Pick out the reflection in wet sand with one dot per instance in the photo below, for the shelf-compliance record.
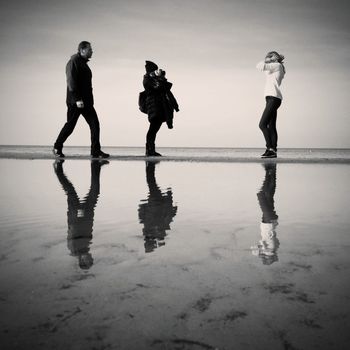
(156, 212)
(80, 213)
(268, 245)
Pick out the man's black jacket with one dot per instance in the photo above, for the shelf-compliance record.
(79, 86)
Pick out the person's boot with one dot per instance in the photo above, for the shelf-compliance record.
(148, 150)
(57, 152)
(151, 150)
(155, 154)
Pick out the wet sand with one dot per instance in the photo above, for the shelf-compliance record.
(216, 155)
(135, 255)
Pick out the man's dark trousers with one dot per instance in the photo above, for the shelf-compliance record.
(90, 115)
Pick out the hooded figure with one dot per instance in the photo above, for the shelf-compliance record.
(160, 104)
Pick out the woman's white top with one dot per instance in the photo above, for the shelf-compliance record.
(274, 74)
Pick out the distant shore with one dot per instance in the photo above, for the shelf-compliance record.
(218, 155)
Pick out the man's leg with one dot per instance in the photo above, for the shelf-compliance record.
(91, 118)
(73, 113)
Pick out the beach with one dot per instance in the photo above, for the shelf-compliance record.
(202, 249)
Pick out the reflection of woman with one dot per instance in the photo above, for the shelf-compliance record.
(267, 247)
(80, 213)
(160, 104)
(275, 71)
(156, 213)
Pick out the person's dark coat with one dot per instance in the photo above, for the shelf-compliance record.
(156, 213)
(160, 102)
(79, 81)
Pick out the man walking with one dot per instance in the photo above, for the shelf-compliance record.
(80, 101)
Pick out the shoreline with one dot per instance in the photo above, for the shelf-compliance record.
(182, 154)
(194, 159)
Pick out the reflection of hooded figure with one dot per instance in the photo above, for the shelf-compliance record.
(80, 214)
(268, 245)
(156, 213)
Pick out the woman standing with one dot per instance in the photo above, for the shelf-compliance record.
(160, 104)
(275, 71)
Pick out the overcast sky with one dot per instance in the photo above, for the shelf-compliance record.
(209, 49)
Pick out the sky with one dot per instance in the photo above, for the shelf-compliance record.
(209, 49)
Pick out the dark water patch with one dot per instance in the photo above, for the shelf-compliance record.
(39, 258)
(233, 315)
(287, 345)
(182, 344)
(280, 288)
(3, 257)
(301, 297)
(203, 304)
(82, 277)
(298, 266)
(245, 290)
(310, 323)
(66, 286)
(62, 320)
(183, 316)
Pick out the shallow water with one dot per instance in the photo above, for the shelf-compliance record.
(134, 255)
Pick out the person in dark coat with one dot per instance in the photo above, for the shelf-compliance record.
(160, 104)
(80, 101)
(80, 213)
(156, 212)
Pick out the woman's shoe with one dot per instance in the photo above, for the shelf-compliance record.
(269, 154)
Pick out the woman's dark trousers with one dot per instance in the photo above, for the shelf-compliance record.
(154, 127)
(90, 115)
(268, 121)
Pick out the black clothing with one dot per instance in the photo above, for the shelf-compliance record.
(154, 127)
(80, 214)
(156, 212)
(79, 85)
(73, 113)
(79, 88)
(160, 102)
(150, 66)
(268, 121)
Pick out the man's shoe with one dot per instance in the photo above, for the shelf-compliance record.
(269, 154)
(265, 153)
(57, 152)
(100, 154)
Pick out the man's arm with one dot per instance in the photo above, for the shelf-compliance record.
(72, 83)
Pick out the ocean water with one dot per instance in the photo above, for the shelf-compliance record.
(174, 255)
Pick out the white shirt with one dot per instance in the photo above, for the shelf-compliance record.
(274, 74)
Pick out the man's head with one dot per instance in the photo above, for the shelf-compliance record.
(85, 49)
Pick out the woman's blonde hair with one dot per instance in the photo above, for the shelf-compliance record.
(279, 57)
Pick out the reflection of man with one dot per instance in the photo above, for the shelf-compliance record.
(156, 213)
(80, 213)
(268, 245)
(80, 101)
